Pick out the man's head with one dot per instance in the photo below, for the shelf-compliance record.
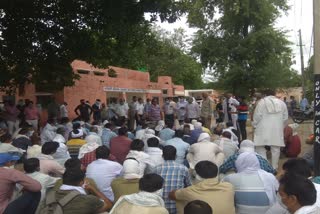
(73, 163)
(197, 206)
(108, 126)
(153, 142)
(137, 145)
(190, 100)
(178, 134)
(73, 177)
(121, 101)
(296, 191)
(82, 101)
(154, 102)
(186, 129)
(269, 92)
(246, 146)
(123, 131)
(206, 169)
(140, 100)
(102, 152)
(297, 166)
(134, 98)
(49, 148)
(169, 153)
(8, 159)
(31, 165)
(151, 183)
(226, 135)
(204, 95)
(94, 129)
(61, 131)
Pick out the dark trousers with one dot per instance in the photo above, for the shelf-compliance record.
(169, 119)
(243, 131)
(27, 203)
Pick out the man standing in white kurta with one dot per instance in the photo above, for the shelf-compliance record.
(269, 119)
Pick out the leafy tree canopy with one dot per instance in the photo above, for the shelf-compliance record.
(240, 45)
(39, 38)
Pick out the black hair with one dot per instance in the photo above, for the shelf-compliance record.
(298, 166)
(229, 124)
(49, 148)
(153, 142)
(179, 133)
(122, 131)
(31, 165)
(197, 206)
(94, 129)
(108, 126)
(169, 153)
(75, 128)
(301, 187)
(170, 125)
(102, 152)
(64, 120)
(226, 134)
(73, 177)
(206, 169)
(218, 131)
(5, 137)
(269, 92)
(73, 163)
(151, 182)
(24, 130)
(51, 120)
(137, 145)
(61, 130)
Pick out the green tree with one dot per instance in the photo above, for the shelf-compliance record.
(40, 38)
(237, 40)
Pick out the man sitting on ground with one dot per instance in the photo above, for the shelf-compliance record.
(219, 195)
(148, 200)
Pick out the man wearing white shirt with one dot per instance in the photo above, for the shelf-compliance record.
(139, 110)
(193, 110)
(122, 109)
(64, 110)
(103, 171)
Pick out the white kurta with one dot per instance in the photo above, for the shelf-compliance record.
(269, 119)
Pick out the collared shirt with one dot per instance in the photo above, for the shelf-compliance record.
(8, 180)
(181, 147)
(230, 164)
(31, 113)
(219, 195)
(140, 108)
(63, 111)
(206, 108)
(154, 113)
(119, 147)
(166, 134)
(107, 135)
(122, 110)
(168, 108)
(103, 172)
(193, 110)
(176, 176)
(49, 166)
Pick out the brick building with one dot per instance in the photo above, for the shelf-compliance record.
(98, 83)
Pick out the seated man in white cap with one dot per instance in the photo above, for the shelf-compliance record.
(245, 146)
(129, 182)
(228, 147)
(205, 150)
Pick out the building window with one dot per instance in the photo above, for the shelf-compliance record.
(99, 73)
(80, 71)
(165, 91)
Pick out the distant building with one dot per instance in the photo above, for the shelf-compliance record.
(102, 84)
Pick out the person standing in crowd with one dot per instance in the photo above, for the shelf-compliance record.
(63, 110)
(122, 109)
(219, 109)
(49, 131)
(168, 111)
(242, 117)
(83, 110)
(154, 113)
(219, 195)
(132, 113)
(181, 109)
(206, 111)
(147, 107)
(140, 111)
(28, 202)
(292, 105)
(193, 110)
(269, 120)
(11, 114)
(103, 171)
(53, 108)
(233, 104)
(104, 112)
(32, 115)
(96, 109)
(304, 104)
(175, 175)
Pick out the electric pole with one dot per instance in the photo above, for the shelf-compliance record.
(302, 65)
(316, 46)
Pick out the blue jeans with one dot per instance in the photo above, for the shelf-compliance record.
(27, 203)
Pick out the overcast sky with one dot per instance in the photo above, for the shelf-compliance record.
(300, 16)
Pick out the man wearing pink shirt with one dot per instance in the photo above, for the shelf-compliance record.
(28, 202)
(32, 115)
